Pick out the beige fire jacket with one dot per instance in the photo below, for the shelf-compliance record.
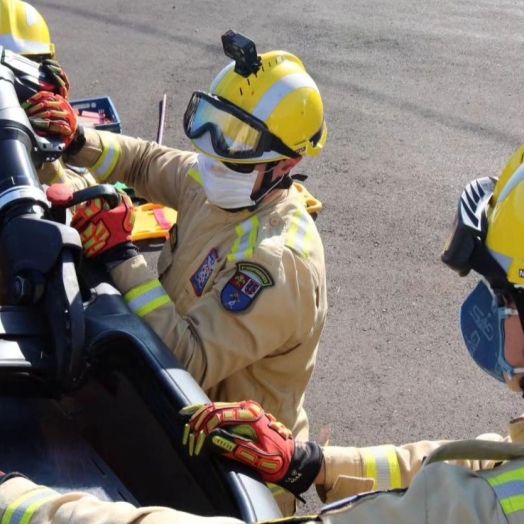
(440, 493)
(351, 470)
(241, 297)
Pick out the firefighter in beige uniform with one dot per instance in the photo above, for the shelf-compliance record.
(241, 293)
(23, 30)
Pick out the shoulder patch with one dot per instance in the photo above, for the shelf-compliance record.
(246, 284)
(202, 274)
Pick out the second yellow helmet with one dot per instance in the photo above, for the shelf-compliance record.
(23, 30)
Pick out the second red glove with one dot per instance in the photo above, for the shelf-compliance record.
(52, 114)
(242, 431)
(102, 228)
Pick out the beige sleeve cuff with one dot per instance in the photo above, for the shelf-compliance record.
(344, 474)
(13, 489)
(51, 173)
(131, 273)
(82, 508)
(90, 153)
(516, 429)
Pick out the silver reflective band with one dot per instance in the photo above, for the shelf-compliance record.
(23, 193)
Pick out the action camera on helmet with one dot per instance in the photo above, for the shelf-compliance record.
(243, 51)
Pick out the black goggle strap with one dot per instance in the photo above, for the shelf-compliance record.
(267, 183)
(318, 135)
(518, 297)
(482, 262)
(279, 146)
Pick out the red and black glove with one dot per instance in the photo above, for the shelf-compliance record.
(52, 114)
(242, 431)
(105, 232)
(59, 83)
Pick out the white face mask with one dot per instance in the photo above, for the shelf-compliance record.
(224, 187)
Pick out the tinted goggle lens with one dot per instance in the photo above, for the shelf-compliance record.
(231, 136)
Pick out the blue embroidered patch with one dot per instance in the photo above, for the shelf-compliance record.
(245, 285)
(202, 274)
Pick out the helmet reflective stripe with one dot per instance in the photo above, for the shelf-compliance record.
(31, 14)
(24, 30)
(276, 94)
(512, 182)
(23, 46)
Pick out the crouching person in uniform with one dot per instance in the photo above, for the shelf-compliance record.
(482, 479)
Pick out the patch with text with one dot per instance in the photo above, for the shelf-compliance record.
(245, 285)
(202, 274)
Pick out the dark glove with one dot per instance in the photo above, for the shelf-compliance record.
(52, 115)
(105, 232)
(242, 431)
(57, 76)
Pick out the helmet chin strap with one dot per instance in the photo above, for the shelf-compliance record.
(268, 184)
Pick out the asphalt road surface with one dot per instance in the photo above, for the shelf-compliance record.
(420, 98)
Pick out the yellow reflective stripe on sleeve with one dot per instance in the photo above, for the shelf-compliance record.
(195, 175)
(275, 490)
(60, 176)
(23, 508)
(105, 165)
(146, 298)
(246, 241)
(509, 488)
(381, 464)
(300, 232)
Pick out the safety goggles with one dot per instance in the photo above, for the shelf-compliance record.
(234, 134)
